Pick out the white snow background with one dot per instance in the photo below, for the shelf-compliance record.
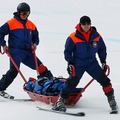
(55, 20)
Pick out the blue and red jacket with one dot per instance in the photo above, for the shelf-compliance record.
(81, 47)
(21, 33)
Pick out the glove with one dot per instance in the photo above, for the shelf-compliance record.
(71, 69)
(4, 50)
(104, 67)
(34, 47)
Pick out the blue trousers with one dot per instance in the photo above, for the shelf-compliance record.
(93, 69)
(19, 56)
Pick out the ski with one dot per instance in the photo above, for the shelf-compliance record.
(6, 95)
(22, 100)
(15, 100)
(79, 114)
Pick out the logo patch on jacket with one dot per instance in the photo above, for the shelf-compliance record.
(94, 44)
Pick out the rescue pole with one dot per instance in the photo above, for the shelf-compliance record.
(36, 63)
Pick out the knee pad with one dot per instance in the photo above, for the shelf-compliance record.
(107, 88)
(41, 68)
(44, 72)
(109, 93)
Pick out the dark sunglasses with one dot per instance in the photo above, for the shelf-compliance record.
(24, 13)
(86, 23)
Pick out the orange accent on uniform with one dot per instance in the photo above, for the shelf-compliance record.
(107, 89)
(41, 68)
(97, 38)
(15, 24)
(30, 25)
(75, 39)
(86, 35)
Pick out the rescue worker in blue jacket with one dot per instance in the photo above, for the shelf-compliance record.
(23, 38)
(80, 53)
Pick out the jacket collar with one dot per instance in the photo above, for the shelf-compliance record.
(81, 34)
(78, 28)
(16, 16)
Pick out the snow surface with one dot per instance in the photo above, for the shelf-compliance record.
(55, 20)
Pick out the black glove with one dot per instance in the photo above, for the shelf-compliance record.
(71, 69)
(104, 67)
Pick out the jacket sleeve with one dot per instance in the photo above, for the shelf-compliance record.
(68, 52)
(35, 36)
(102, 53)
(4, 30)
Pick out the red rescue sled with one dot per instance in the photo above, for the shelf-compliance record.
(72, 100)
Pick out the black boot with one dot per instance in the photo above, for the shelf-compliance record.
(6, 95)
(59, 105)
(112, 102)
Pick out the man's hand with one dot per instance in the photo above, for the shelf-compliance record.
(104, 67)
(5, 49)
(34, 47)
(71, 69)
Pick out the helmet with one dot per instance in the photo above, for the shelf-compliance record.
(23, 7)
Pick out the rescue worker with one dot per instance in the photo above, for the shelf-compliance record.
(80, 53)
(23, 38)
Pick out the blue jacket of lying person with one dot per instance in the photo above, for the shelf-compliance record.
(45, 86)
